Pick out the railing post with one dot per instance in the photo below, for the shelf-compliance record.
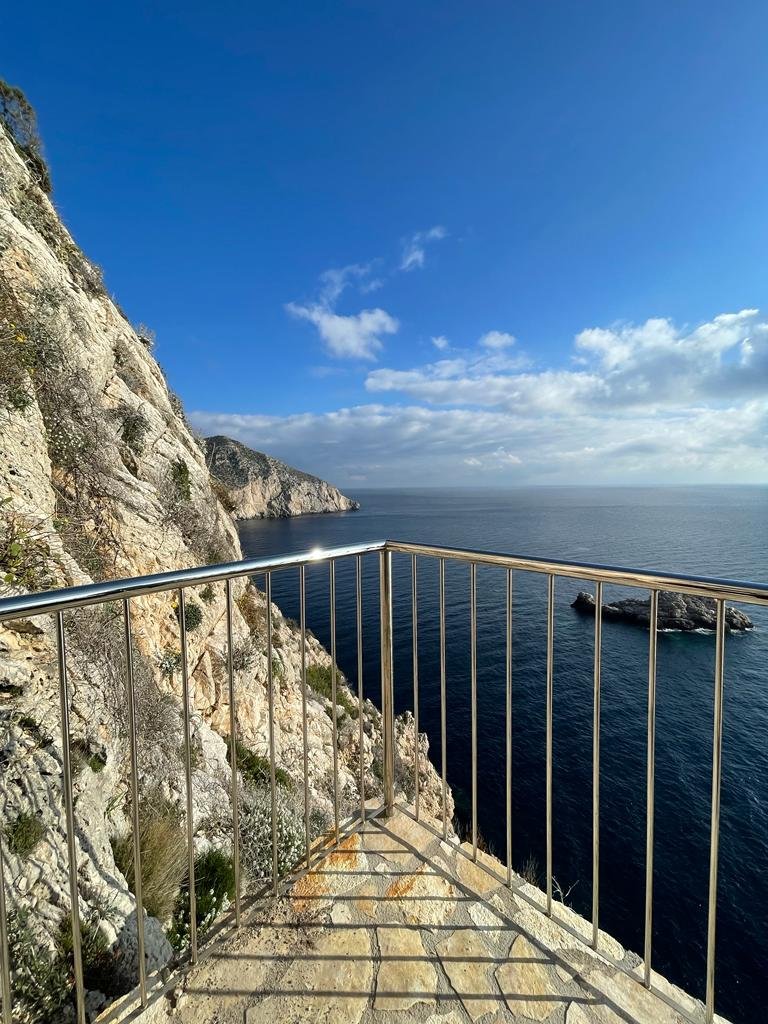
(387, 696)
(5, 965)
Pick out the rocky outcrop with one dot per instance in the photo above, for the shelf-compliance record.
(677, 612)
(100, 476)
(256, 486)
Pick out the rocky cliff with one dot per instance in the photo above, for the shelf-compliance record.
(100, 476)
(256, 486)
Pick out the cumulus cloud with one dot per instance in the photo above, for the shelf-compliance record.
(355, 336)
(651, 365)
(644, 403)
(346, 336)
(441, 342)
(415, 248)
(497, 340)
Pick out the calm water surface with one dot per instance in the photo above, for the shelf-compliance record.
(711, 531)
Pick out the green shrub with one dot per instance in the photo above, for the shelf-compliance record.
(134, 429)
(319, 678)
(193, 615)
(41, 986)
(169, 661)
(81, 755)
(181, 480)
(163, 845)
(214, 888)
(146, 336)
(208, 594)
(243, 655)
(23, 834)
(35, 730)
(254, 614)
(256, 833)
(24, 551)
(99, 960)
(19, 118)
(255, 769)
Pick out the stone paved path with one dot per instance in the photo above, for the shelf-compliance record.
(396, 925)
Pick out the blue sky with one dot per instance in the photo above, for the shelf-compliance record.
(298, 198)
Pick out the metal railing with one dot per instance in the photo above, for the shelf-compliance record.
(56, 603)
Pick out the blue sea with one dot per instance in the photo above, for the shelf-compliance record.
(718, 531)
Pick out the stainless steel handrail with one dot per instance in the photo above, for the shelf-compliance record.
(48, 601)
(679, 583)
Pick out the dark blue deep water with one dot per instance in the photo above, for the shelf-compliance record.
(711, 531)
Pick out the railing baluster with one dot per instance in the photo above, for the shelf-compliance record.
(271, 706)
(550, 701)
(596, 764)
(650, 782)
(133, 744)
(714, 837)
(473, 696)
(509, 725)
(415, 637)
(443, 724)
(233, 755)
(188, 776)
(305, 738)
(5, 965)
(334, 717)
(361, 730)
(69, 811)
(387, 696)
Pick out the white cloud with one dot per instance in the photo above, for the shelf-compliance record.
(357, 336)
(497, 340)
(404, 445)
(646, 366)
(334, 281)
(414, 248)
(650, 403)
(441, 342)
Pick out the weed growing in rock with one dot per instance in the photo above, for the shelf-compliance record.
(214, 890)
(41, 985)
(33, 728)
(319, 679)
(243, 655)
(135, 426)
(255, 769)
(254, 614)
(169, 662)
(19, 119)
(193, 615)
(99, 960)
(24, 551)
(23, 834)
(163, 845)
(81, 755)
(181, 480)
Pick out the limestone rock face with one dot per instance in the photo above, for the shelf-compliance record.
(260, 487)
(101, 477)
(683, 612)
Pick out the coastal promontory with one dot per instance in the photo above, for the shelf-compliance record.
(257, 486)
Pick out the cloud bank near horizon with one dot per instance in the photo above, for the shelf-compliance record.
(636, 403)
